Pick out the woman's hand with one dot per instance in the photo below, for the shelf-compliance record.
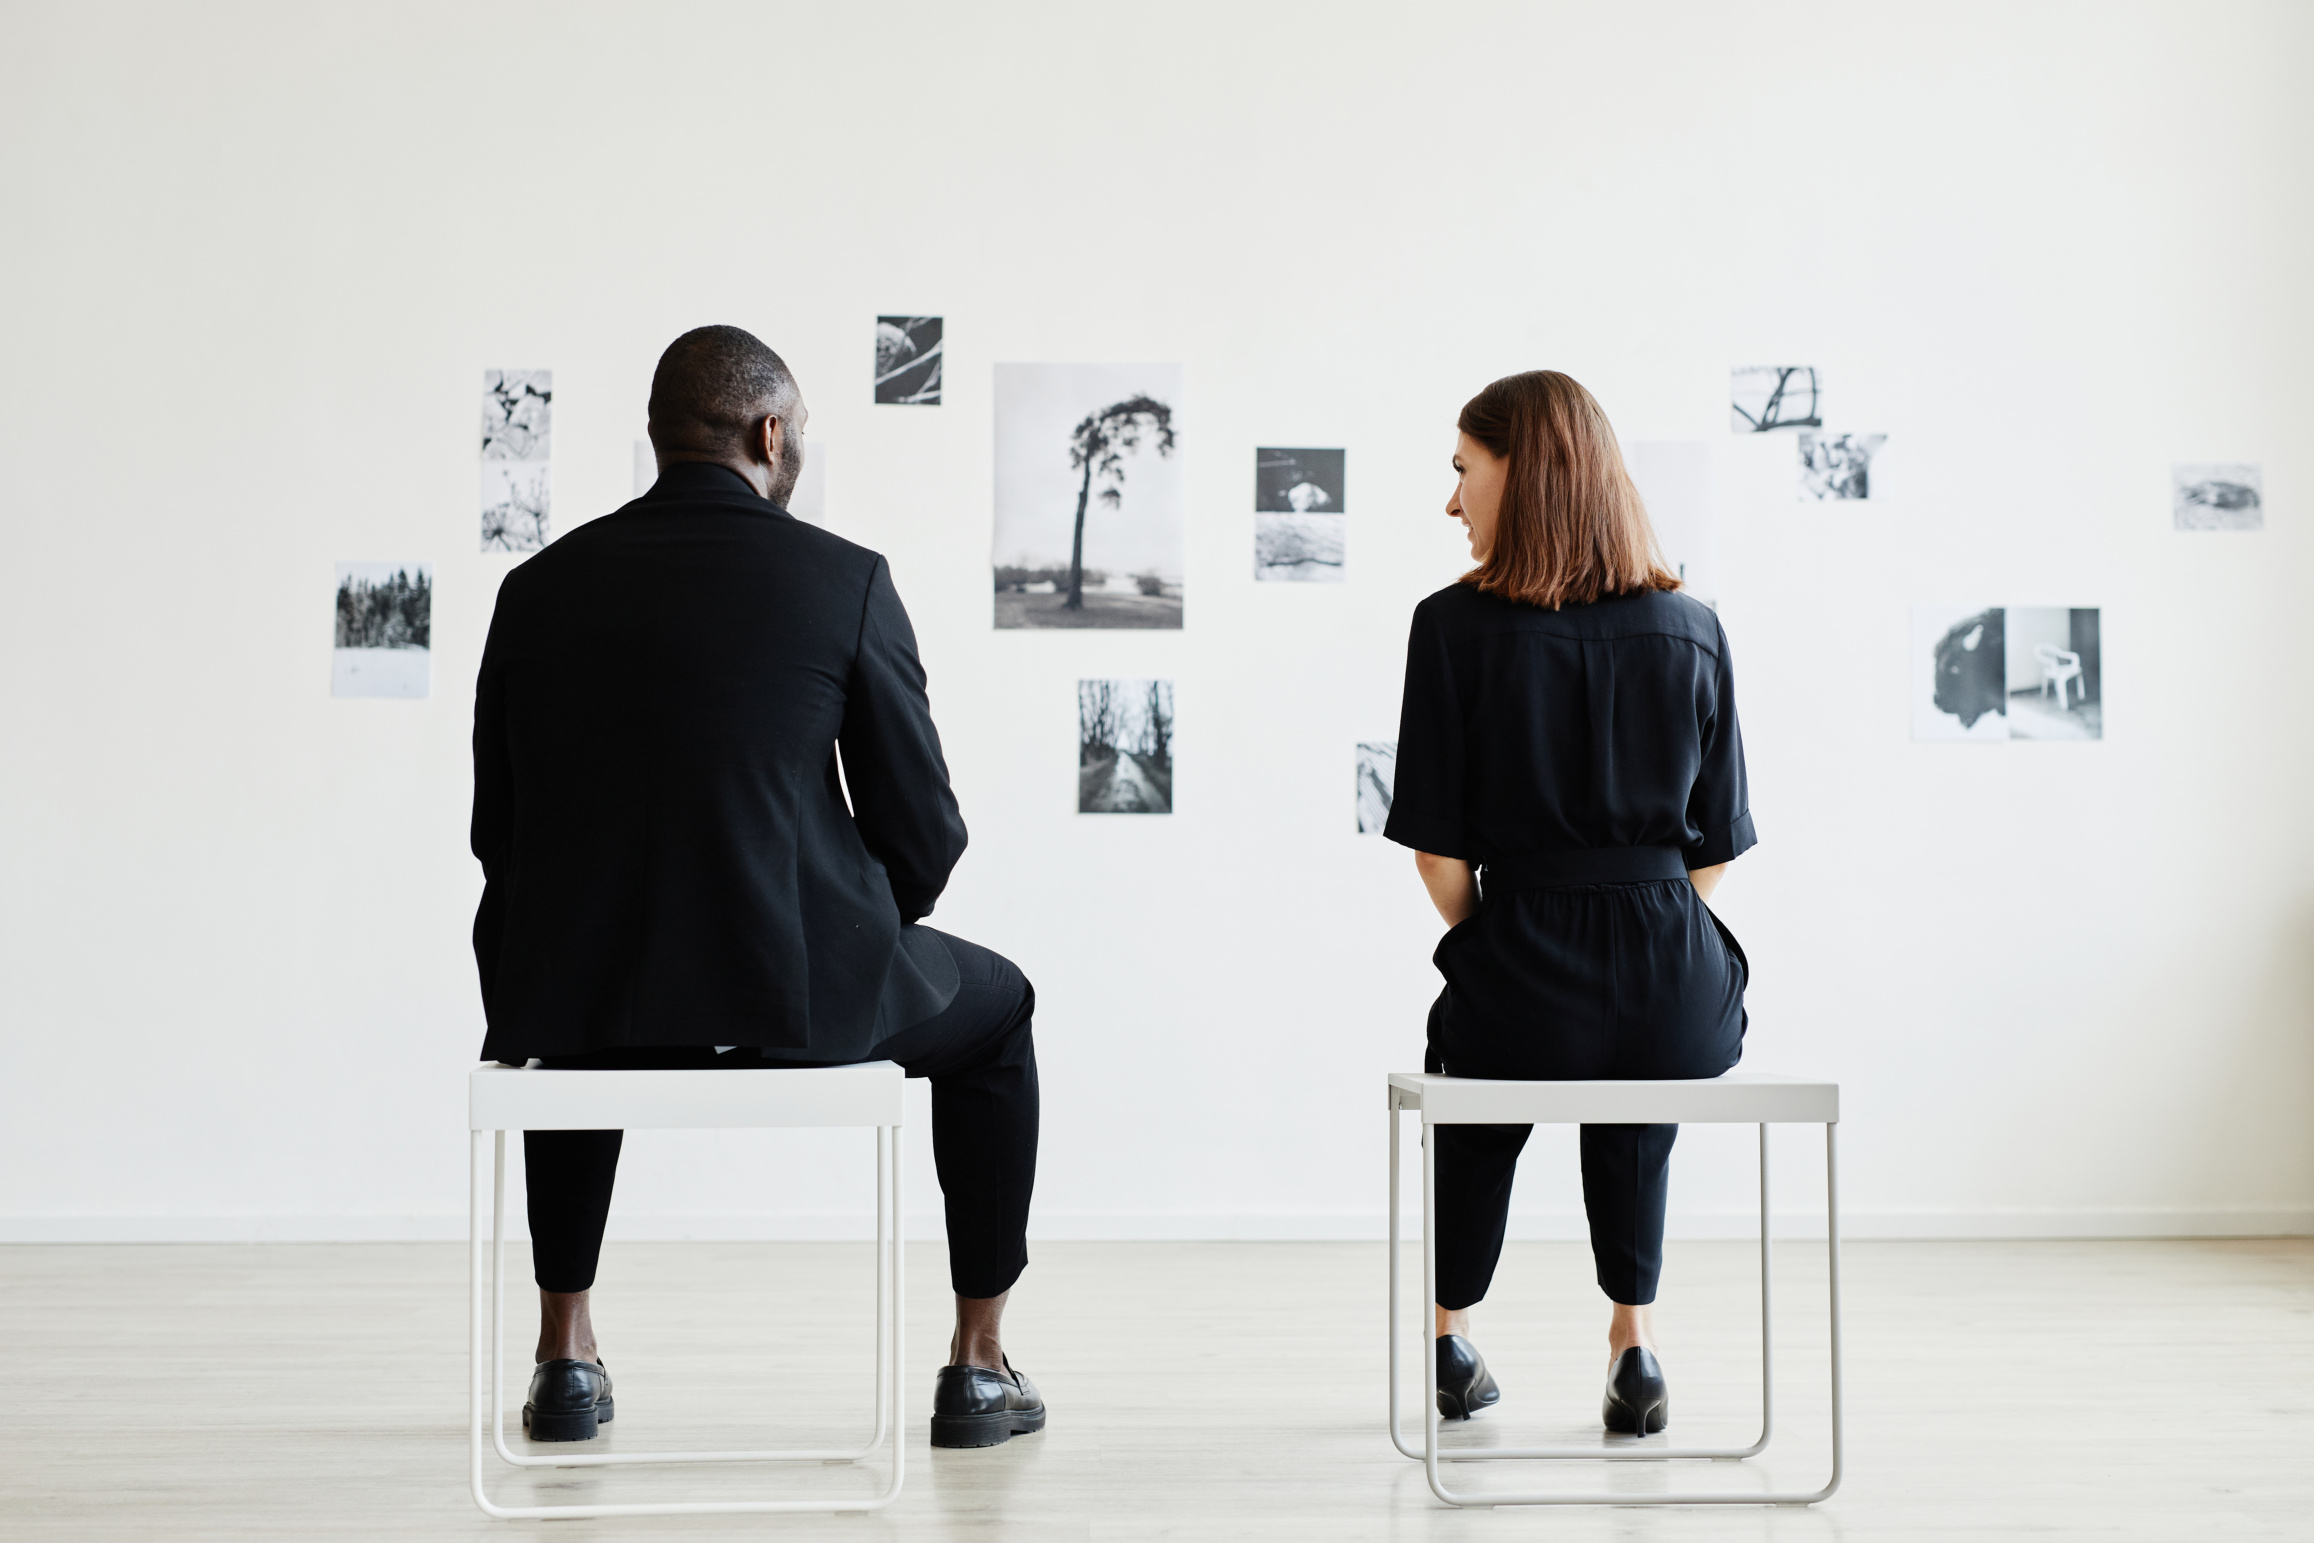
(1453, 886)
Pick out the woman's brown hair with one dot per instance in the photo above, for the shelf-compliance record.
(1572, 528)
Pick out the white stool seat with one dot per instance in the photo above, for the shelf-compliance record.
(1737, 1098)
(510, 1098)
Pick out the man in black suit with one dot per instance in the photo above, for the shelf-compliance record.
(675, 877)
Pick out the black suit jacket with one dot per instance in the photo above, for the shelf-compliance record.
(667, 852)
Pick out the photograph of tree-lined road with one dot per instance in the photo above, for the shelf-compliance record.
(1089, 525)
(1124, 747)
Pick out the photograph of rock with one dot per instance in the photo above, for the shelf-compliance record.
(1298, 482)
(383, 640)
(1960, 682)
(1089, 528)
(908, 361)
(1124, 747)
(2217, 497)
(1377, 774)
(1299, 548)
(1762, 397)
(1837, 466)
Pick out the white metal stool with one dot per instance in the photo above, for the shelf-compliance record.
(1738, 1098)
(503, 1098)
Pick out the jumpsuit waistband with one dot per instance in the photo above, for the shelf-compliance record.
(1584, 865)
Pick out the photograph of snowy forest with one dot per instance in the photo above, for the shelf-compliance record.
(1089, 524)
(908, 361)
(384, 630)
(1124, 747)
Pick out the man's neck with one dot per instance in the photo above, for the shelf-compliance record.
(755, 475)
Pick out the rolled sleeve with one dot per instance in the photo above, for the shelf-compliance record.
(1719, 812)
(1426, 805)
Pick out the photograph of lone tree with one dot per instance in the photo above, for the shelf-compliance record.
(1089, 526)
(1124, 747)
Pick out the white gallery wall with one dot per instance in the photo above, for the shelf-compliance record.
(255, 258)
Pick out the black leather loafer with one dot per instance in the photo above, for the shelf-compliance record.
(1465, 1386)
(1638, 1399)
(568, 1399)
(975, 1407)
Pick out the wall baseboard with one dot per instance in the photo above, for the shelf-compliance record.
(1184, 1227)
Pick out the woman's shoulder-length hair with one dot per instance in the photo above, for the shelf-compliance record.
(1572, 528)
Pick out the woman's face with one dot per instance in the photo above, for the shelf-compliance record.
(1477, 499)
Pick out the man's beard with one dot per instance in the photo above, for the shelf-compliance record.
(790, 467)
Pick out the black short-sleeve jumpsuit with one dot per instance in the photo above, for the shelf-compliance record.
(1585, 759)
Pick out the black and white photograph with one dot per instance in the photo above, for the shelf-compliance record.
(1675, 479)
(515, 500)
(908, 361)
(1377, 774)
(517, 415)
(1298, 482)
(1299, 548)
(2055, 673)
(1089, 524)
(1124, 747)
(384, 631)
(2217, 497)
(1960, 672)
(1764, 397)
(517, 458)
(1837, 466)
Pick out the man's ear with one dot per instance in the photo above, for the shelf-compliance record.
(774, 436)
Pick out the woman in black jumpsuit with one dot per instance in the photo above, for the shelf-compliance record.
(1569, 732)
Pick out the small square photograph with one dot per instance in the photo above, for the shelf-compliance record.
(1299, 548)
(1764, 397)
(1960, 673)
(1090, 529)
(1298, 482)
(2221, 497)
(1377, 773)
(515, 500)
(517, 415)
(2055, 680)
(908, 361)
(1837, 466)
(1124, 747)
(385, 630)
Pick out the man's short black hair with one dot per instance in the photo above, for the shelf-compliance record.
(712, 386)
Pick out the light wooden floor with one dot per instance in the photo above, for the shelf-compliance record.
(1209, 1391)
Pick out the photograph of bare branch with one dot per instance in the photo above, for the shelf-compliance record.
(1377, 775)
(2220, 497)
(1089, 524)
(1837, 466)
(1124, 747)
(908, 361)
(515, 499)
(517, 415)
(384, 630)
(1762, 397)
